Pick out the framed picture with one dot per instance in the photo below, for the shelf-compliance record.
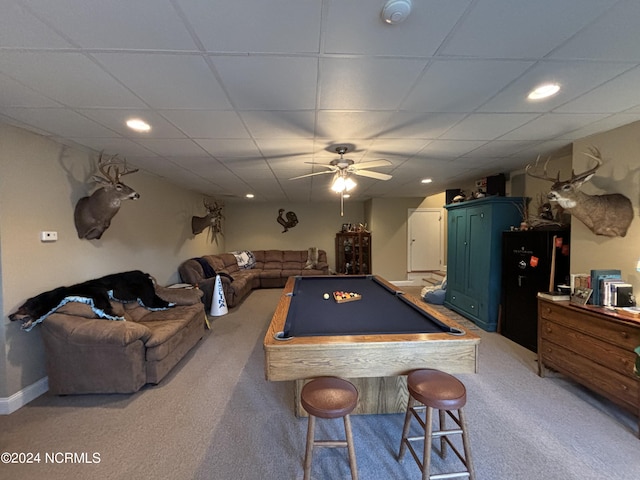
(581, 295)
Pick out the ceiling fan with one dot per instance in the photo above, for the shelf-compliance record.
(342, 168)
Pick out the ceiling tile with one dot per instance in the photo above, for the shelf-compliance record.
(551, 124)
(283, 26)
(142, 24)
(388, 81)
(59, 121)
(207, 123)
(19, 28)
(69, 78)
(269, 83)
(521, 29)
(229, 148)
(461, 86)
(167, 81)
(619, 26)
(617, 95)
(487, 126)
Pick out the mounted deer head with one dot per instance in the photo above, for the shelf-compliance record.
(609, 214)
(213, 220)
(93, 214)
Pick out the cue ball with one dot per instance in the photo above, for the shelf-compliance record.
(326, 296)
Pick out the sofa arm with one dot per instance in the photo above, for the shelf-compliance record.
(86, 355)
(92, 331)
(180, 296)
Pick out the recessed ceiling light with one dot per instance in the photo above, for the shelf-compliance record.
(544, 91)
(249, 195)
(426, 180)
(138, 125)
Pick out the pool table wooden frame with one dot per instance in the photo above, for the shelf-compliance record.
(376, 364)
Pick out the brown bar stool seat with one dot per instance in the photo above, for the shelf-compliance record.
(436, 390)
(329, 397)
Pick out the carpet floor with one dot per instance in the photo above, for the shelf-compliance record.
(216, 417)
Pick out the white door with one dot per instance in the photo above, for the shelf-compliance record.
(425, 239)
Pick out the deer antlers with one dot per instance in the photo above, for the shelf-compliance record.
(594, 153)
(113, 168)
(544, 175)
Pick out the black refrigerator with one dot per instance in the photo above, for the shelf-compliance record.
(526, 270)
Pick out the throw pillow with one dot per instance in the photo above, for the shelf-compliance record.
(312, 258)
(246, 260)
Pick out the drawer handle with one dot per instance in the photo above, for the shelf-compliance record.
(625, 388)
(624, 334)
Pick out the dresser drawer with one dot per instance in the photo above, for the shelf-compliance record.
(615, 332)
(599, 351)
(621, 389)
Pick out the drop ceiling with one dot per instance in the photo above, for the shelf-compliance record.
(242, 94)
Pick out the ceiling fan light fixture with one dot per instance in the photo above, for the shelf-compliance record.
(341, 184)
(396, 11)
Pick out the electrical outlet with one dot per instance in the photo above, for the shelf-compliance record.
(48, 236)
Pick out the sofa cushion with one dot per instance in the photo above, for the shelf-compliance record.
(273, 256)
(294, 256)
(166, 329)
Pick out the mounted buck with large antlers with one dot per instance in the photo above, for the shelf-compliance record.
(93, 214)
(212, 220)
(609, 214)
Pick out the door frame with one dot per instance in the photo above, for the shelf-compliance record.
(441, 211)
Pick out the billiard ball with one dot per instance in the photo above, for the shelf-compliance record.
(326, 296)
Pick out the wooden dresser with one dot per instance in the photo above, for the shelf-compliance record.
(592, 346)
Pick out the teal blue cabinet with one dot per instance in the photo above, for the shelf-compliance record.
(474, 255)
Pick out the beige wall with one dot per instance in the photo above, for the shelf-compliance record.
(254, 225)
(40, 182)
(620, 173)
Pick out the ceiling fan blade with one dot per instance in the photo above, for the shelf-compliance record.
(321, 165)
(370, 174)
(373, 164)
(311, 174)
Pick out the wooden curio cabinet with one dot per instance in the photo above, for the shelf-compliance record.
(353, 253)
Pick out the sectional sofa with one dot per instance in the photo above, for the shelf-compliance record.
(265, 269)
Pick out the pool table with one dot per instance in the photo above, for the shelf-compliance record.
(373, 341)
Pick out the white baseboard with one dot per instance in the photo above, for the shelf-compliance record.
(19, 399)
(403, 283)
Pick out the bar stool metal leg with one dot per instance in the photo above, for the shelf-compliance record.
(431, 390)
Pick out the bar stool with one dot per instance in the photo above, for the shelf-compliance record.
(443, 392)
(329, 397)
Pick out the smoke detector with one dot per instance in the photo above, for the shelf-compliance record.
(396, 11)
